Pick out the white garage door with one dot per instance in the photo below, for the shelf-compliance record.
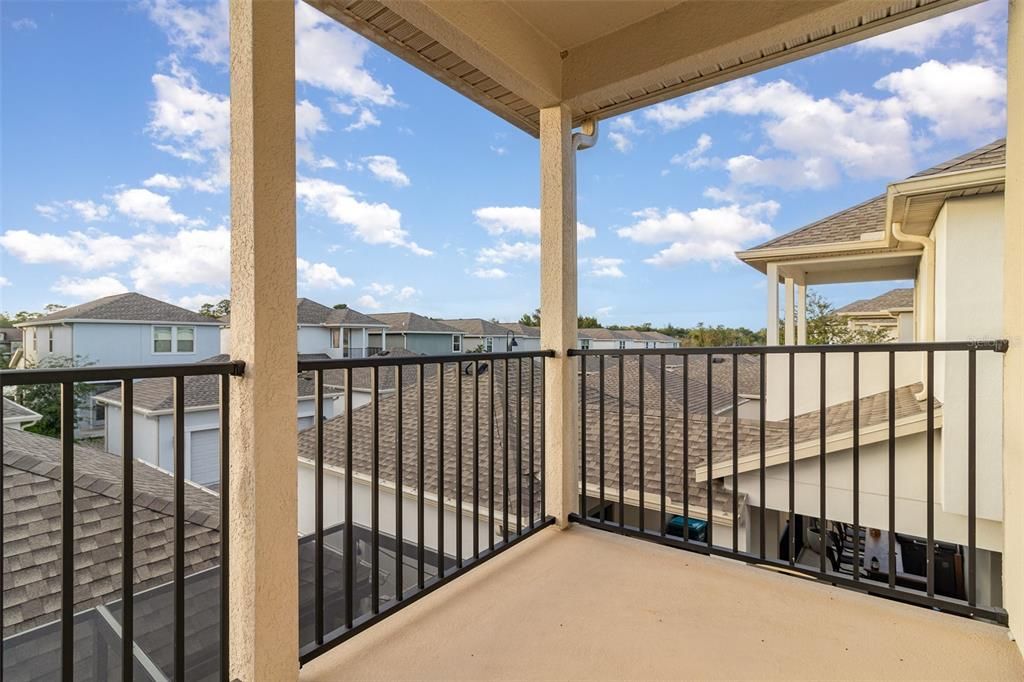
(305, 423)
(204, 456)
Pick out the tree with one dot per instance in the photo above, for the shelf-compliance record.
(824, 326)
(222, 308)
(340, 306)
(529, 320)
(587, 322)
(44, 399)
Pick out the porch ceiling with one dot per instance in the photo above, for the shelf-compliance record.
(606, 57)
(587, 604)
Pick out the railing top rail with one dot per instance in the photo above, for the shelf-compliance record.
(56, 375)
(996, 346)
(399, 360)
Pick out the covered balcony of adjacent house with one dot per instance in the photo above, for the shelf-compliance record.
(558, 513)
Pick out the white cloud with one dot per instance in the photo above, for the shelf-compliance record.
(386, 168)
(48, 211)
(620, 141)
(147, 206)
(380, 289)
(499, 150)
(88, 289)
(814, 173)
(604, 311)
(185, 258)
(369, 302)
(694, 157)
(366, 119)
(490, 273)
(705, 234)
(372, 223)
(24, 24)
(309, 120)
(603, 266)
(524, 219)
(196, 301)
(4, 282)
(331, 57)
(407, 293)
(85, 251)
(985, 22)
(621, 131)
(162, 181)
(504, 252)
(320, 276)
(87, 210)
(201, 29)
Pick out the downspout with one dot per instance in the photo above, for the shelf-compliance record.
(587, 137)
(928, 286)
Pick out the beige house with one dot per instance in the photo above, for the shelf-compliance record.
(891, 314)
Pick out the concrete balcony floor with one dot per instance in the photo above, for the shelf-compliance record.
(587, 604)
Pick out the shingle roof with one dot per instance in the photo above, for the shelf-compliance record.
(32, 528)
(522, 330)
(350, 316)
(869, 216)
(13, 412)
(310, 312)
(411, 322)
(476, 326)
(131, 307)
(897, 298)
(11, 333)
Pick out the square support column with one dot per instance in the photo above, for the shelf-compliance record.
(264, 472)
(558, 308)
(801, 314)
(1013, 320)
(772, 323)
(790, 338)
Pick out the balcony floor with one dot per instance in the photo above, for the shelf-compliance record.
(587, 604)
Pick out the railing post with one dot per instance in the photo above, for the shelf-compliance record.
(263, 482)
(558, 307)
(1013, 321)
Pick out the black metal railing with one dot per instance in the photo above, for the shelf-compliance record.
(702, 452)
(440, 468)
(97, 635)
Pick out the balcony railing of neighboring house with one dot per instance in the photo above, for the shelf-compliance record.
(358, 353)
(442, 470)
(656, 485)
(162, 621)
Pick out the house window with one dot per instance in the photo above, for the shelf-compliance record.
(584, 344)
(489, 344)
(32, 333)
(456, 343)
(49, 339)
(622, 345)
(335, 338)
(168, 339)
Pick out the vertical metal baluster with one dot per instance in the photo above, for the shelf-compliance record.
(709, 437)
(476, 459)
(664, 492)
(533, 387)
(930, 474)
(583, 437)
(128, 530)
(543, 461)
(972, 476)
(792, 460)
(179, 527)
(856, 465)
(375, 496)
(318, 578)
(686, 448)
(458, 467)
(822, 482)
(519, 446)
(67, 530)
(601, 434)
(892, 470)
(761, 380)
(735, 455)
(490, 455)
(421, 479)
(640, 435)
(440, 469)
(225, 517)
(504, 459)
(399, 485)
(350, 526)
(622, 443)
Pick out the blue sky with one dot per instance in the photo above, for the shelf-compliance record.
(115, 138)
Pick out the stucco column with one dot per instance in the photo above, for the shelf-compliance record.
(1013, 319)
(801, 314)
(772, 322)
(263, 482)
(558, 307)
(790, 338)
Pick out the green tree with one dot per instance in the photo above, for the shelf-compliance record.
(529, 320)
(340, 306)
(587, 322)
(824, 326)
(220, 309)
(44, 399)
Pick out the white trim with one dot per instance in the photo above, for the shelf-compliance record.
(174, 339)
(85, 320)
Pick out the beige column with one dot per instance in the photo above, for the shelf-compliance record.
(772, 323)
(263, 483)
(1013, 319)
(558, 308)
(790, 338)
(801, 314)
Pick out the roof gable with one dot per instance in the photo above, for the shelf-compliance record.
(414, 323)
(127, 307)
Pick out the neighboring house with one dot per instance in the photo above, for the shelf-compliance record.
(124, 329)
(941, 228)
(418, 334)
(335, 332)
(891, 313)
(19, 416)
(484, 336)
(10, 342)
(527, 337)
(622, 339)
(153, 423)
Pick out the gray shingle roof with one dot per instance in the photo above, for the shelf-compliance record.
(522, 330)
(131, 307)
(13, 412)
(11, 333)
(476, 326)
(411, 322)
(992, 154)
(311, 312)
(349, 316)
(897, 298)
